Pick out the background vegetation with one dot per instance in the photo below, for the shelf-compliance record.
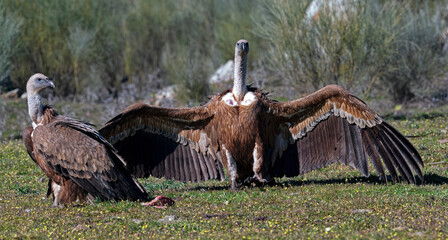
(391, 45)
(92, 47)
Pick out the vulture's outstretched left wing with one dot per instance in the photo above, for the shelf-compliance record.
(77, 151)
(332, 126)
(175, 143)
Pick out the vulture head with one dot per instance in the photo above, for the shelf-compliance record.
(34, 86)
(37, 83)
(242, 47)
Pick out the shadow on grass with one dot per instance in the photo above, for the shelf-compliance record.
(429, 179)
(208, 188)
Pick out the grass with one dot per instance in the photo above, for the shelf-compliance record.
(335, 202)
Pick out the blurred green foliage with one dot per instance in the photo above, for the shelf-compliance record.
(391, 45)
(91, 47)
(9, 28)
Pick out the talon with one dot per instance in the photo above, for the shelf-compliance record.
(235, 185)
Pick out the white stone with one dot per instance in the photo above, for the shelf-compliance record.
(223, 74)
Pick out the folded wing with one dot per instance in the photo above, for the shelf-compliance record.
(76, 151)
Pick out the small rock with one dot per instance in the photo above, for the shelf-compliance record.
(400, 228)
(362, 211)
(165, 96)
(27, 210)
(327, 229)
(223, 74)
(24, 96)
(443, 131)
(419, 234)
(80, 227)
(443, 141)
(168, 219)
(138, 221)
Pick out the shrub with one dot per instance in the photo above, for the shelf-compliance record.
(355, 44)
(9, 28)
(92, 46)
(65, 38)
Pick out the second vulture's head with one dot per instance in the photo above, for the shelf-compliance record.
(37, 83)
(242, 47)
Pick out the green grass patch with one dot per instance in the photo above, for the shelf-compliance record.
(335, 202)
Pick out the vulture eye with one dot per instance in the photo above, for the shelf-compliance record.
(39, 79)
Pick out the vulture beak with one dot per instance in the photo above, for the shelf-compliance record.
(49, 83)
(245, 46)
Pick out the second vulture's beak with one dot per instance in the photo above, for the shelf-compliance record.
(49, 83)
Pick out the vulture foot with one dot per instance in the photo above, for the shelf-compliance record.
(235, 186)
(256, 182)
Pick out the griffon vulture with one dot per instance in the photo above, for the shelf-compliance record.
(257, 139)
(80, 163)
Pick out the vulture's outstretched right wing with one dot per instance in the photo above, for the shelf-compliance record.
(175, 143)
(332, 126)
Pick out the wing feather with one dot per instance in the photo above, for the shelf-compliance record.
(28, 143)
(196, 168)
(204, 167)
(333, 126)
(220, 167)
(175, 143)
(397, 157)
(384, 154)
(410, 153)
(374, 156)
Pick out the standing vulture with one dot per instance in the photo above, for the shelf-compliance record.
(80, 163)
(257, 139)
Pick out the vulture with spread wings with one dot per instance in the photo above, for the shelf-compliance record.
(79, 162)
(257, 139)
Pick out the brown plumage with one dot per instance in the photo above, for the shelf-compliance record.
(257, 139)
(80, 163)
(28, 143)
